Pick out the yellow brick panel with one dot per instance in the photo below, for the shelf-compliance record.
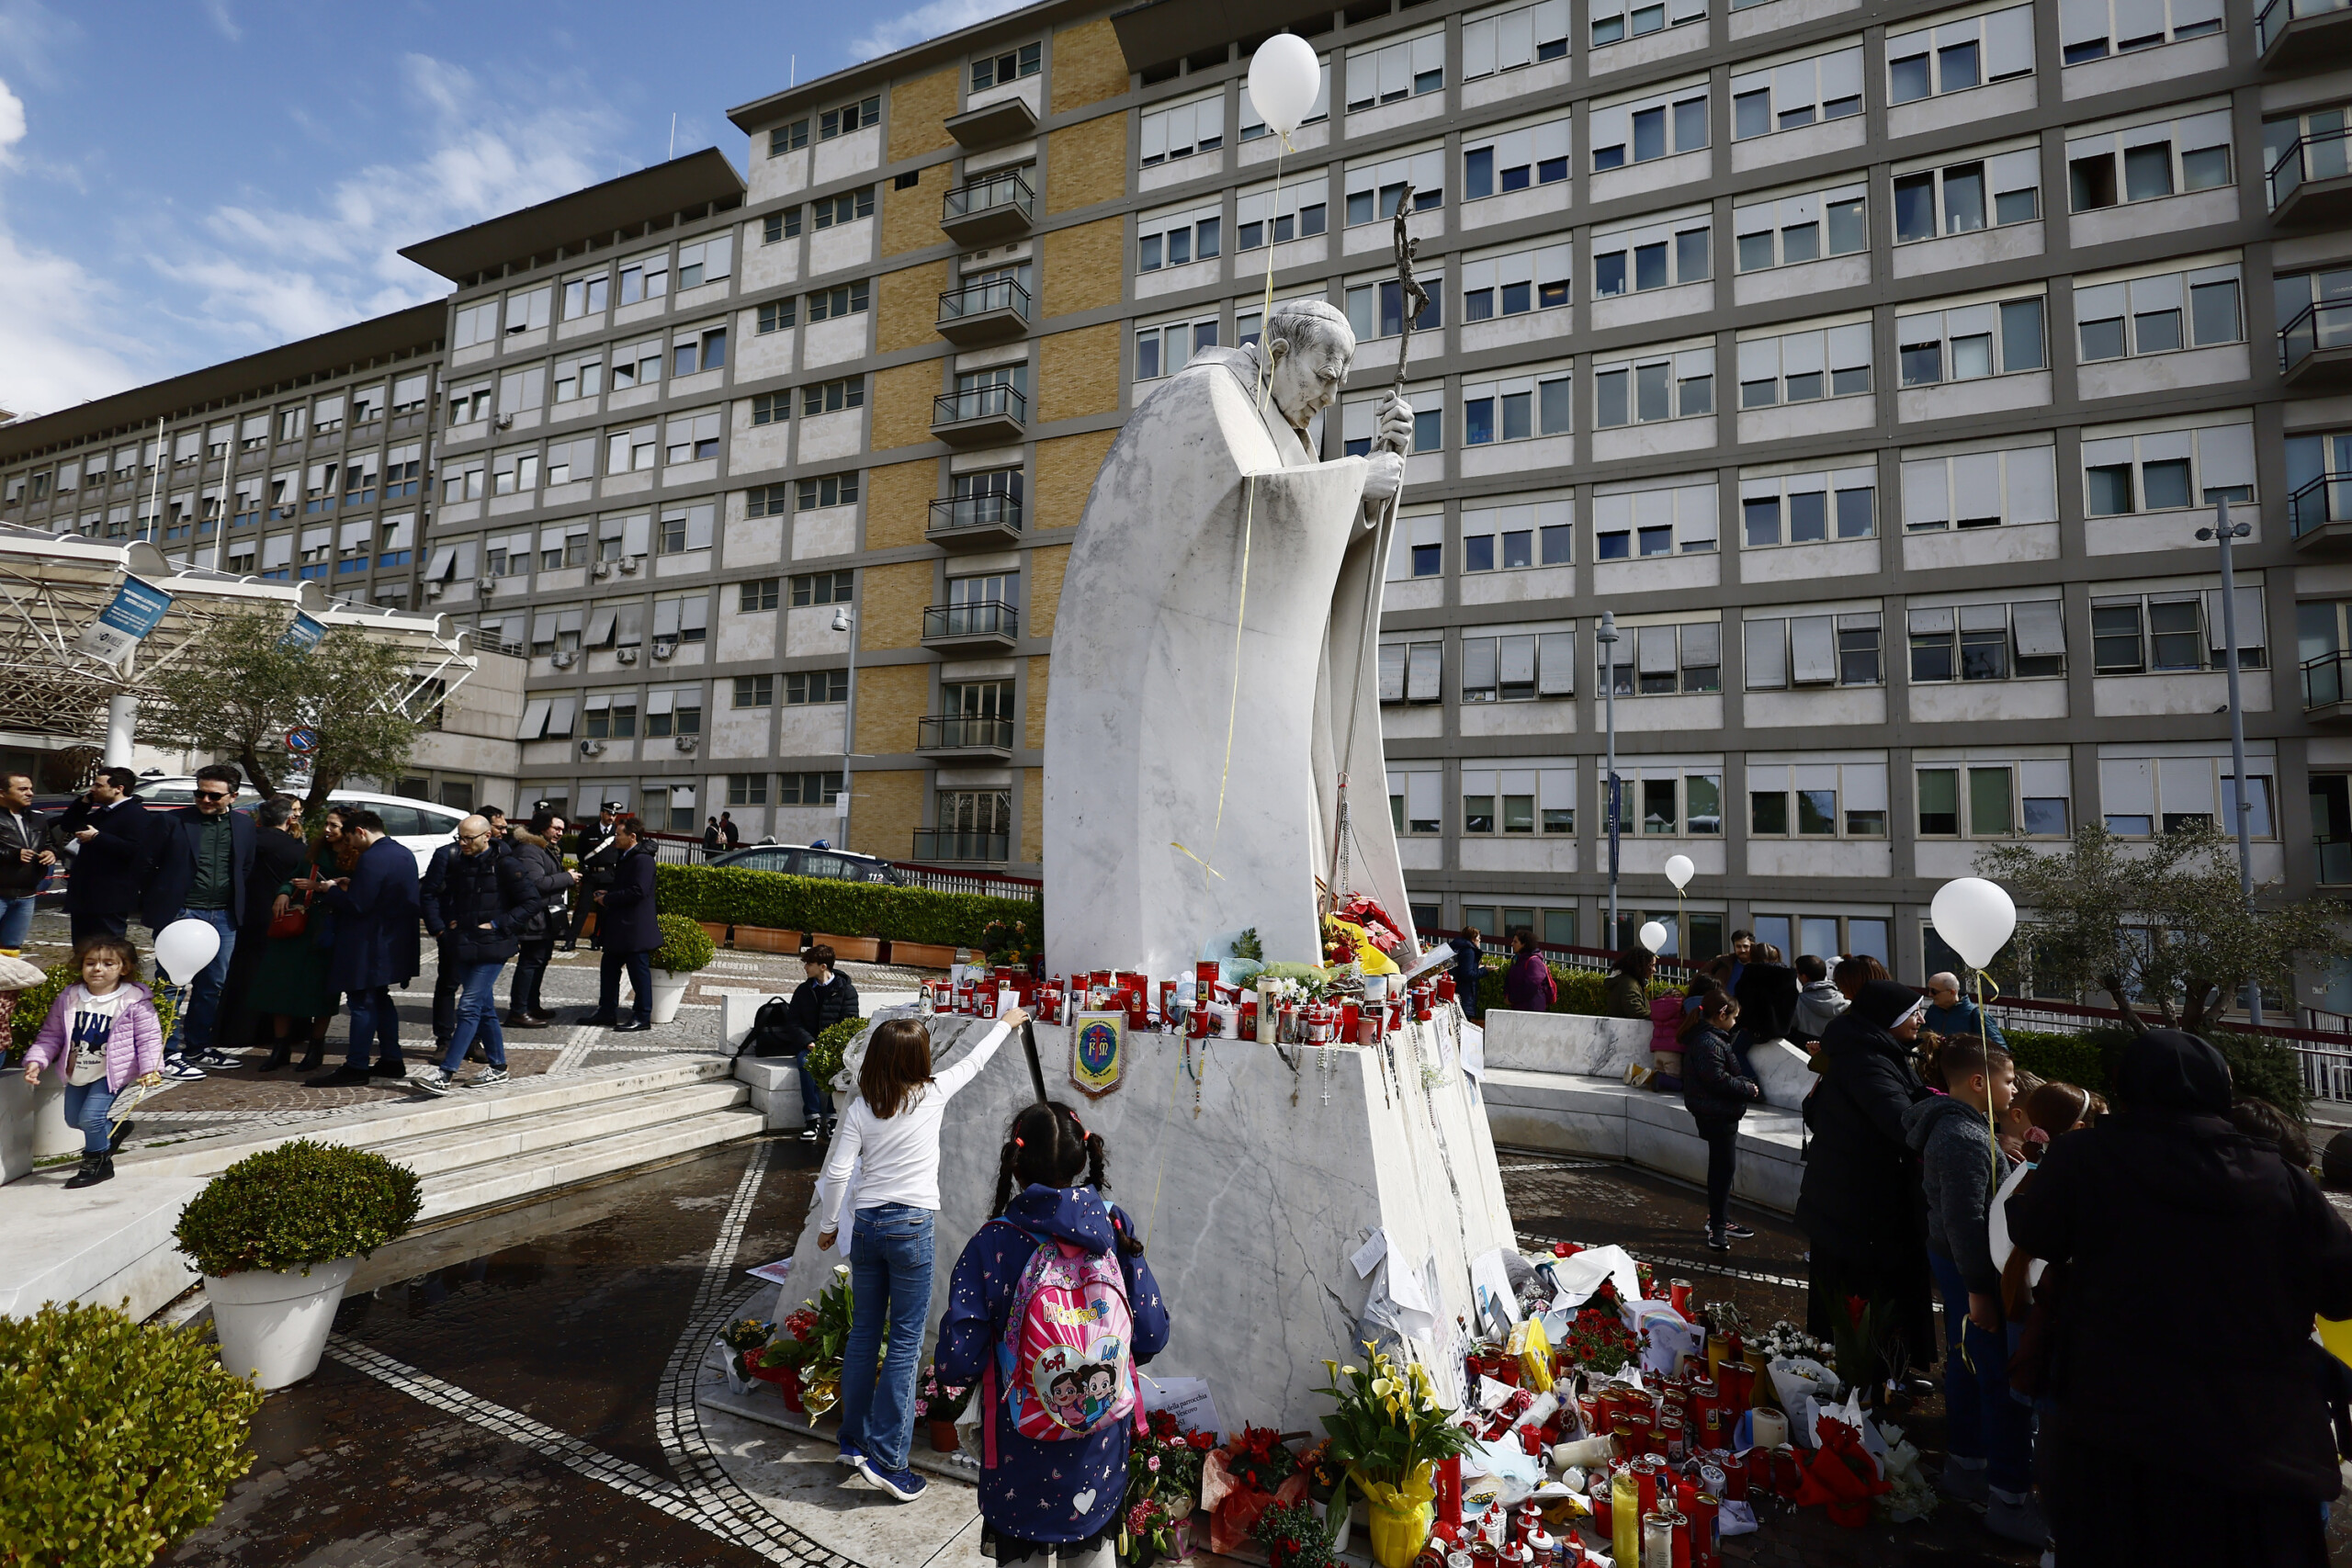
(1086, 163)
(1088, 65)
(886, 807)
(897, 503)
(1078, 373)
(919, 109)
(1033, 815)
(911, 218)
(1082, 266)
(891, 601)
(1065, 469)
(901, 408)
(1045, 589)
(1035, 738)
(890, 697)
(907, 309)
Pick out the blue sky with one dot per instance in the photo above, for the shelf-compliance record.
(182, 182)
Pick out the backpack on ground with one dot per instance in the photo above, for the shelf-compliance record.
(1066, 1363)
(771, 1031)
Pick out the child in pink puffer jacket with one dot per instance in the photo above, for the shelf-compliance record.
(104, 1031)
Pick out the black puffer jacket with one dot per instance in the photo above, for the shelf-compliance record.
(817, 1006)
(542, 871)
(1712, 1089)
(485, 889)
(1767, 999)
(1860, 1196)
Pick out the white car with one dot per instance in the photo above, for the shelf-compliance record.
(419, 825)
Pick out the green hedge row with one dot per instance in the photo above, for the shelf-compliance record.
(1574, 990)
(729, 896)
(2259, 1068)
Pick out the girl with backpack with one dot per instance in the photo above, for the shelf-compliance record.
(1051, 1309)
(892, 1126)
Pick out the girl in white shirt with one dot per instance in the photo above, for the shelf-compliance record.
(893, 1126)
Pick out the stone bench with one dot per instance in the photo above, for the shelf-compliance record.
(1571, 1114)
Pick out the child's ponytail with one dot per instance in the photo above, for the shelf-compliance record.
(1047, 1146)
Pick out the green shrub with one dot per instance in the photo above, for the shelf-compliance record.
(121, 1440)
(2263, 1069)
(685, 946)
(2259, 1068)
(825, 1054)
(298, 1204)
(1575, 990)
(2076, 1059)
(733, 895)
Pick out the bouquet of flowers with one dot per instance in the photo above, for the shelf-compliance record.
(1292, 1537)
(1253, 1473)
(935, 1400)
(1008, 941)
(741, 1338)
(1600, 1341)
(1148, 1530)
(1785, 1339)
(1165, 1462)
(1294, 982)
(1376, 924)
(1258, 1456)
(809, 1349)
(1390, 1432)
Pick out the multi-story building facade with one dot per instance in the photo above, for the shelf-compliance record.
(1874, 365)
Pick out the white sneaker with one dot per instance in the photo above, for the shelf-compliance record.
(486, 1077)
(435, 1082)
(179, 1069)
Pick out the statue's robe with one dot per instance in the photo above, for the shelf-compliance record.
(1140, 867)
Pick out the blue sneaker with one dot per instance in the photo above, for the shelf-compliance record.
(904, 1485)
(849, 1457)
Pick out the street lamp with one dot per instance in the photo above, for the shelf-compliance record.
(1608, 639)
(2225, 531)
(845, 622)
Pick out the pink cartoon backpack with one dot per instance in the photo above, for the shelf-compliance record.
(1065, 1365)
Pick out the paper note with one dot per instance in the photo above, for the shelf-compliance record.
(775, 1273)
(1492, 1393)
(1490, 1287)
(1577, 1276)
(1187, 1399)
(1367, 1257)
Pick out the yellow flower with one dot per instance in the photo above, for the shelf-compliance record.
(1351, 1372)
(1382, 1387)
(1331, 1368)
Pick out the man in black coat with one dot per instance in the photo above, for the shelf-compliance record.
(1469, 968)
(2183, 1241)
(628, 931)
(203, 857)
(279, 854)
(26, 859)
(107, 829)
(599, 856)
(437, 926)
(483, 903)
(376, 948)
(819, 1002)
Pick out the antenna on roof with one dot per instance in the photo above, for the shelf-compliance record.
(673, 133)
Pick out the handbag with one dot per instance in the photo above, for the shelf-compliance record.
(294, 922)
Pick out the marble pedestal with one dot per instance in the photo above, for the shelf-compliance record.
(1252, 1208)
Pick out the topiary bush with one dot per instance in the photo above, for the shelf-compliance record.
(826, 1051)
(298, 1204)
(120, 1438)
(685, 946)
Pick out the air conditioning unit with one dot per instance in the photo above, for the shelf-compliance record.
(662, 650)
(485, 586)
(604, 569)
(627, 656)
(685, 742)
(563, 658)
(434, 589)
(631, 563)
(506, 422)
(591, 748)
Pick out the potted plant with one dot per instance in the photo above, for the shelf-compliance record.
(1390, 1432)
(1163, 1488)
(743, 1338)
(939, 1404)
(1293, 1537)
(685, 947)
(121, 1439)
(827, 1051)
(276, 1235)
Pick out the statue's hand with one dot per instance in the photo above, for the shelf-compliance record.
(1384, 476)
(1396, 431)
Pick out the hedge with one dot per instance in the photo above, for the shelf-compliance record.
(2259, 1068)
(1574, 990)
(730, 895)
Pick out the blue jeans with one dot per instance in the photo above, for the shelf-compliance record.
(86, 1105)
(193, 1028)
(1983, 1420)
(814, 1101)
(374, 1018)
(16, 919)
(477, 1016)
(890, 1274)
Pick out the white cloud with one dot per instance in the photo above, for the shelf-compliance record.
(12, 122)
(895, 33)
(217, 11)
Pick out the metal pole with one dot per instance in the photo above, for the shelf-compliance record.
(1612, 805)
(2224, 532)
(848, 623)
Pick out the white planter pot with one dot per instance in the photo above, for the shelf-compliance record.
(669, 990)
(274, 1325)
(32, 1123)
(1347, 1523)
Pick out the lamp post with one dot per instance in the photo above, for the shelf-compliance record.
(845, 622)
(1607, 637)
(2225, 531)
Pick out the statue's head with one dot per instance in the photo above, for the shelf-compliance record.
(1310, 346)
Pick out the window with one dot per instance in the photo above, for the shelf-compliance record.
(787, 139)
(1998, 641)
(1517, 408)
(1417, 546)
(1165, 349)
(747, 789)
(1389, 73)
(1973, 798)
(829, 489)
(1497, 164)
(527, 311)
(1799, 92)
(687, 526)
(808, 789)
(1376, 306)
(1664, 799)
(1518, 666)
(706, 261)
(514, 470)
(563, 546)
(326, 418)
(1817, 800)
(771, 408)
(1299, 209)
(690, 436)
(646, 278)
(1357, 417)
(860, 115)
(460, 480)
(2158, 633)
(2093, 29)
(805, 687)
(1804, 366)
(1662, 660)
(1375, 189)
(1414, 801)
(777, 227)
(1790, 230)
(1505, 537)
(1508, 40)
(1651, 385)
(1515, 282)
(685, 618)
(776, 315)
(1958, 198)
(2158, 314)
(1656, 126)
(755, 593)
(1808, 507)
(754, 691)
(2161, 158)
(1955, 56)
(1613, 21)
(2142, 795)
(1501, 800)
(2166, 469)
(636, 364)
(998, 69)
(1658, 254)
(470, 402)
(696, 349)
(1979, 489)
(767, 500)
(1173, 239)
(1967, 343)
(822, 588)
(847, 207)
(1826, 650)
(628, 451)
(1196, 125)
(833, 396)
(475, 324)
(611, 715)
(847, 299)
(974, 824)
(576, 379)
(556, 631)
(1412, 672)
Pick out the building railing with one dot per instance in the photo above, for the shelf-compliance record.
(2272, 19)
(1001, 400)
(955, 732)
(965, 879)
(947, 843)
(994, 510)
(2327, 499)
(2327, 324)
(2325, 156)
(979, 298)
(992, 191)
(2326, 680)
(986, 618)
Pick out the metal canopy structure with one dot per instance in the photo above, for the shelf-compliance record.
(54, 585)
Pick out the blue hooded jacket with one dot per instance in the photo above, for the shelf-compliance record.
(1029, 1495)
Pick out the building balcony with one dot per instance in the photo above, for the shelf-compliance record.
(983, 313)
(2315, 348)
(1007, 119)
(975, 522)
(992, 207)
(987, 627)
(2303, 33)
(2327, 686)
(963, 735)
(943, 845)
(2320, 514)
(2311, 185)
(985, 416)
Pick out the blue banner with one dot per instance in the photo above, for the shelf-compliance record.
(305, 633)
(137, 610)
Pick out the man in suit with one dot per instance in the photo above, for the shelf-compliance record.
(376, 948)
(600, 856)
(25, 859)
(203, 857)
(108, 831)
(280, 855)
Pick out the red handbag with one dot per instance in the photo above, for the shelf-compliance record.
(293, 922)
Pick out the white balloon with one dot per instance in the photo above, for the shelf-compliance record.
(183, 948)
(1975, 917)
(1653, 935)
(1284, 78)
(1678, 871)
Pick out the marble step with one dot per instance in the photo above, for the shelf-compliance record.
(537, 1174)
(509, 1138)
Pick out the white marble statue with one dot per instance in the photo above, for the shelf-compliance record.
(1155, 838)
